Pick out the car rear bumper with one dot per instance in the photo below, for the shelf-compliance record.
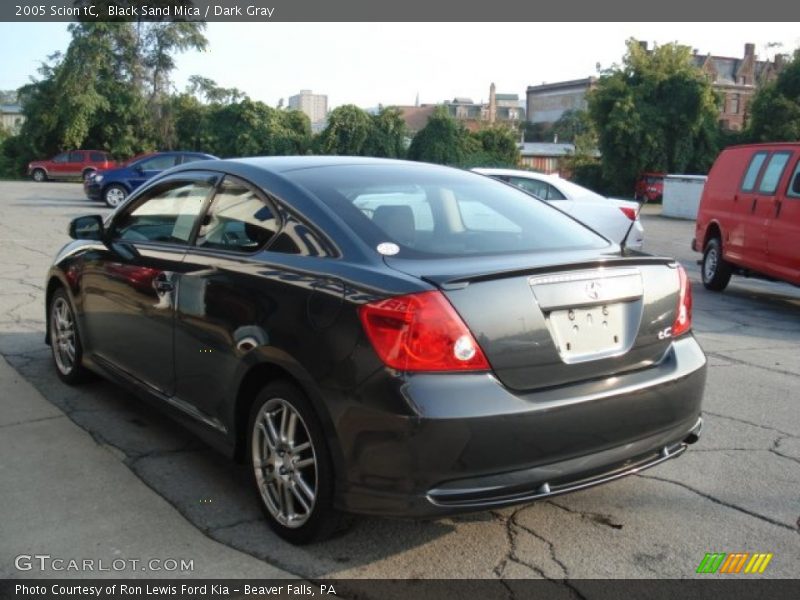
(477, 445)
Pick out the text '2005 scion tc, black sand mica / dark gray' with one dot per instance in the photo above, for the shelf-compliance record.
(381, 337)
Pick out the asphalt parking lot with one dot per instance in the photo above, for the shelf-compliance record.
(737, 490)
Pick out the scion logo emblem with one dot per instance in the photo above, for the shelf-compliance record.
(593, 289)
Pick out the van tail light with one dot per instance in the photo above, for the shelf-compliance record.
(421, 332)
(628, 212)
(683, 320)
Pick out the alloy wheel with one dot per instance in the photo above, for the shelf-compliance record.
(285, 463)
(114, 196)
(710, 264)
(62, 330)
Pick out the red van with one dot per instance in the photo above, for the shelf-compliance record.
(748, 222)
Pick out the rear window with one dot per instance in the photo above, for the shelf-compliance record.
(749, 181)
(433, 212)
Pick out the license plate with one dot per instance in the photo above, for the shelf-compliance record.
(589, 333)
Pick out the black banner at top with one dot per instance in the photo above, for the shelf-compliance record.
(405, 10)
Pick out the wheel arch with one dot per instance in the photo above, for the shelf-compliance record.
(713, 230)
(262, 373)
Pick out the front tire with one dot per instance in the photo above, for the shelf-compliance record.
(114, 195)
(65, 341)
(290, 465)
(39, 175)
(715, 270)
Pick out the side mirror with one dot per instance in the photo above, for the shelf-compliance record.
(88, 227)
(139, 169)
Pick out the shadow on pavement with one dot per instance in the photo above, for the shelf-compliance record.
(208, 489)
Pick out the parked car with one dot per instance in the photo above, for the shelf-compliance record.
(650, 187)
(113, 186)
(76, 163)
(608, 216)
(748, 221)
(381, 337)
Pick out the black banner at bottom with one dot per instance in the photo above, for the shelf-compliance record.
(714, 587)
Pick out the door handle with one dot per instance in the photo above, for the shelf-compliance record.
(778, 205)
(753, 207)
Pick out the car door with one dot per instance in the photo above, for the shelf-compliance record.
(762, 211)
(221, 309)
(74, 165)
(129, 286)
(784, 229)
(148, 168)
(737, 219)
(59, 166)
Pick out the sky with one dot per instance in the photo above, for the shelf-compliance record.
(390, 63)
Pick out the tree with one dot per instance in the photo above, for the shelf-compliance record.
(775, 109)
(387, 135)
(498, 147)
(443, 140)
(657, 112)
(346, 133)
(570, 125)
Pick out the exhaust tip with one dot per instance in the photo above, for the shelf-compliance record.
(694, 434)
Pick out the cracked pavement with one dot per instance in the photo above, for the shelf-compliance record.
(738, 489)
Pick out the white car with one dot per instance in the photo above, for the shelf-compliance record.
(608, 216)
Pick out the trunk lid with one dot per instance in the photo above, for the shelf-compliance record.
(551, 319)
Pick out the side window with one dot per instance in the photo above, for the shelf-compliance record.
(238, 220)
(187, 158)
(794, 183)
(773, 172)
(97, 157)
(166, 214)
(535, 187)
(749, 181)
(554, 194)
(158, 163)
(75, 157)
(61, 158)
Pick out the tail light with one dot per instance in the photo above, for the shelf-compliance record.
(683, 319)
(421, 332)
(628, 212)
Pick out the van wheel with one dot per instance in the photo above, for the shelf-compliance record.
(290, 465)
(716, 271)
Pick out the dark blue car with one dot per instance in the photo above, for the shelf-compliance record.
(114, 185)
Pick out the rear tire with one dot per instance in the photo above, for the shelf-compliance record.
(65, 341)
(715, 270)
(290, 465)
(39, 175)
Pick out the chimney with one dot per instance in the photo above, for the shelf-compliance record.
(492, 104)
(749, 50)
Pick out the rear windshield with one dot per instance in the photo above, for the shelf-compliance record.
(432, 212)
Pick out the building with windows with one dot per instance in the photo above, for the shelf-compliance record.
(313, 105)
(11, 117)
(735, 79)
(502, 109)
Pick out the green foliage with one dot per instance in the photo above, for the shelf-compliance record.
(387, 136)
(446, 141)
(775, 109)
(571, 124)
(346, 133)
(656, 112)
